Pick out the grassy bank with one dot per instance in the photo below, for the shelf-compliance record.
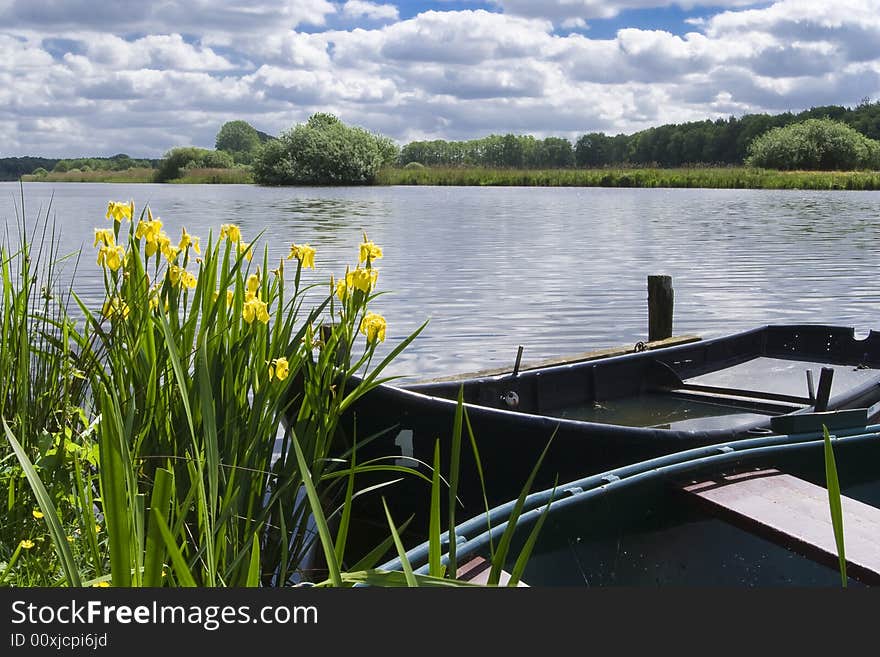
(139, 175)
(145, 175)
(711, 177)
(237, 176)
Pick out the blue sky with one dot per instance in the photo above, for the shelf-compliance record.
(142, 77)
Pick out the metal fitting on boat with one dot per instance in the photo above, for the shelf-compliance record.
(511, 399)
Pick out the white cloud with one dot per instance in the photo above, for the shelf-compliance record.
(370, 10)
(443, 74)
(170, 16)
(565, 11)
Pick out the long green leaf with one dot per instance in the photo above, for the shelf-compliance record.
(318, 515)
(117, 505)
(435, 552)
(155, 545)
(182, 572)
(834, 503)
(407, 566)
(500, 555)
(253, 576)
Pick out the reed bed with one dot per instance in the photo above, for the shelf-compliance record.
(697, 177)
(235, 176)
(137, 175)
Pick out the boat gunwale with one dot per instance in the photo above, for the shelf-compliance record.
(581, 490)
(846, 399)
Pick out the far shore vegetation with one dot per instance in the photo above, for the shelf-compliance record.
(830, 147)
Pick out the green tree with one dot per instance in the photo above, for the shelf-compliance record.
(814, 144)
(323, 151)
(240, 139)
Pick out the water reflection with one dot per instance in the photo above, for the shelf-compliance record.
(557, 270)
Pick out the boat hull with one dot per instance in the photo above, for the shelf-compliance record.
(404, 424)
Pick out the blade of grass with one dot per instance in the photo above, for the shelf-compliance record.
(834, 503)
(181, 573)
(454, 468)
(435, 552)
(407, 566)
(253, 576)
(529, 545)
(318, 514)
(155, 545)
(500, 556)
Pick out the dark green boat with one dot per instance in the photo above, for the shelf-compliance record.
(751, 513)
(614, 411)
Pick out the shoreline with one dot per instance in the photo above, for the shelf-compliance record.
(694, 177)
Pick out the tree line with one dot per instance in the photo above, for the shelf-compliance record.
(324, 150)
(718, 142)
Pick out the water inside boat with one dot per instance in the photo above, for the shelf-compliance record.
(748, 392)
(659, 410)
(665, 539)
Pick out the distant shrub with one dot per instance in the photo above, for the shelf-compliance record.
(814, 144)
(414, 165)
(179, 160)
(323, 151)
(41, 172)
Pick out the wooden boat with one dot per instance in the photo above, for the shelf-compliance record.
(617, 410)
(748, 513)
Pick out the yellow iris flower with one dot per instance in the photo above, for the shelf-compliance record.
(112, 257)
(373, 326)
(361, 279)
(119, 211)
(243, 247)
(187, 240)
(369, 251)
(26, 544)
(255, 309)
(104, 236)
(36, 513)
(279, 368)
(304, 253)
(231, 232)
(115, 307)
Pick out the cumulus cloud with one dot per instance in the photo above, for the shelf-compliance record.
(187, 16)
(370, 10)
(143, 80)
(575, 13)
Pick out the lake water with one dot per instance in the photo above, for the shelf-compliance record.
(556, 270)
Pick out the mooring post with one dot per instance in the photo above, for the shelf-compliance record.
(660, 302)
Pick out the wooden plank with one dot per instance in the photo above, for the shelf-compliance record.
(569, 360)
(849, 418)
(795, 513)
(476, 571)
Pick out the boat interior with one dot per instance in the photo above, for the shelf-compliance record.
(747, 378)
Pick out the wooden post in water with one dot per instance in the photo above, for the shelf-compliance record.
(660, 302)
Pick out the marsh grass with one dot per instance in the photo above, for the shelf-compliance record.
(134, 175)
(697, 177)
(41, 392)
(235, 176)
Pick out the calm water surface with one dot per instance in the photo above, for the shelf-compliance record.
(557, 270)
